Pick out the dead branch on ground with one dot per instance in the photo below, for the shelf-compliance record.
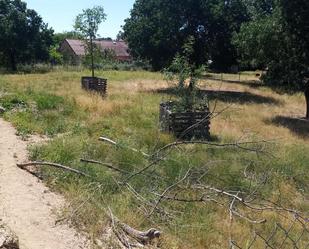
(107, 140)
(55, 165)
(107, 165)
(130, 237)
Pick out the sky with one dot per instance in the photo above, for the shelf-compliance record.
(60, 14)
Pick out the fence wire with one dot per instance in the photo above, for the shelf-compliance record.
(294, 235)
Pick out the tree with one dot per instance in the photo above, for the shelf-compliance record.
(184, 68)
(120, 36)
(87, 24)
(259, 41)
(158, 29)
(55, 56)
(24, 38)
(277, 39)
(60, 37)
(295, 14)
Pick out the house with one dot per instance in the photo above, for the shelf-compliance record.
(74, 50)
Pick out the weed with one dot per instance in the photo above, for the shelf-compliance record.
(55, 104)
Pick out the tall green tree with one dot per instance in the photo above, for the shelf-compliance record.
(296, 16)
(60, 37)
(87, 23)
(158, 29)
(56, 57)
(277, 39)
(24, 37)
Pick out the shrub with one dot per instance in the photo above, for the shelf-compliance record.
(46, 101)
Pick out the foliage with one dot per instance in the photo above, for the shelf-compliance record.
(278, 40)
(60, 37)
(158, 29)
(258, 41)
(39, 68)
(129, 115)
(259, 9)
(87, 23)
(99, 56)
(295, 14)
(25, 38)
(55, 56)
(271, 41)
(183, 68)
(120, 35)
(38, 112)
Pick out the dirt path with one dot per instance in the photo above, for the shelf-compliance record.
(26, 205)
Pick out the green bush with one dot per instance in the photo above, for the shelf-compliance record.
(46, 101)
(34, 68)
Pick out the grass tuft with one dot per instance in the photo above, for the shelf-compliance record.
(54, 104)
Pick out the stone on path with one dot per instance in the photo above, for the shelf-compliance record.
(8, 240)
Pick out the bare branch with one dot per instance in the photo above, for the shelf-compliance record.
(55, 165)
(142, 238)
(107, 165)
(107, 140)
(235, 144)
(168, 189)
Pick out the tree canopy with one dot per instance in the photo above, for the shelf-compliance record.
(24, 38)
(87, 23)
(276, 38)
(60, 37)
(158, 29)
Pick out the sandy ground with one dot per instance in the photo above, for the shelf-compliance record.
(26, 205)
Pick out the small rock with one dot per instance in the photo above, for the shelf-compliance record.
(2, 109)
(8, 240)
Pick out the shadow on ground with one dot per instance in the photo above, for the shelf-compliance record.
(239, 97)
(230, 96)
(250, 83)
(298, 126)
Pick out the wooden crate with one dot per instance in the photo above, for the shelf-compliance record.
(94, 84)
(185, 125)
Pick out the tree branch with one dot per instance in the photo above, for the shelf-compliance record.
(55, 165)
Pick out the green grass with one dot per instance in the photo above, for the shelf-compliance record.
(53, 104)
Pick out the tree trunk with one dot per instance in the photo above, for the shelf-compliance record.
(13, 62)
(307, 100)
(91, 53)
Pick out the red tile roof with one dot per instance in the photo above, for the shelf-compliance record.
(120, 47)
(77, 46)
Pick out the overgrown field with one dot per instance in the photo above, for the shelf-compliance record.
(53, 104)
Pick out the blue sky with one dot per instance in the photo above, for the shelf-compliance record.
(60, 14)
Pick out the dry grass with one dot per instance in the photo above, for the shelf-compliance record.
(130, 113)
(254, 109)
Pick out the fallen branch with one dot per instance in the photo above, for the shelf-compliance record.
(110, 166)
(169, 189)
(107, 165)
(55, 165)
(107, 140)
(142, 238)
(239, 145)
(148, 203)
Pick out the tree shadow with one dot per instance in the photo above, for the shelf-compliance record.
(239, 97)
(298, 126)
(249, 83)
(229, 96)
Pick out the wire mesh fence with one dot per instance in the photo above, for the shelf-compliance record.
(292, 235)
